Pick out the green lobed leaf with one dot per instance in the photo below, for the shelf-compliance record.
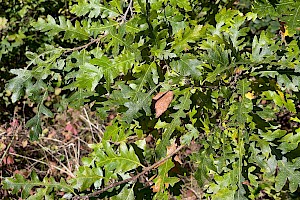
(286, 10)
(187, 66)
(241, 109)
(263, 49)
(19, 183)
(52, 28)
(121, 161)
(88, 76)
(186, 36)
(139, 99)
(193, 133)
(289, 142)
(287, 171)
(16, 85)
(125, 194)
(35, 127)
(162, 181)
(94, 9)
(86, 177)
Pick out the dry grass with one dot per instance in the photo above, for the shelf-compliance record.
(58, 151)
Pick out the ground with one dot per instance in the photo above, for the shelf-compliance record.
(58, 151)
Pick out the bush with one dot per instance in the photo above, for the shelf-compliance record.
(214, 80)
(18, 36)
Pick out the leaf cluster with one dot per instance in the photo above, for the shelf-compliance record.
(18, 36)
(231, 80)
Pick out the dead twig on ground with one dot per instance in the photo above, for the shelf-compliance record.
(53, 156)
(18, 155)
(90, 125)
(15, 132)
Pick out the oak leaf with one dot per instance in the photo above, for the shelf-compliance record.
(163, 100)
(176, 158)
(171, 148)
(8, 160)
(157, 185)
(71, 128)
(250, 95)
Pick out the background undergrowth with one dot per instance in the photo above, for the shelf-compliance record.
(182, 100)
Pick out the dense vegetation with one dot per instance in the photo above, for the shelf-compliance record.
(18, 36)
(200, 98)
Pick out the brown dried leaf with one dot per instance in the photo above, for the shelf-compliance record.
(159, 95)
(23, 172)
(163, 101)
(246, 182)
(238, 71)
(14, 123)
(156, 187)
(52, 167)
(190, 195)
(68, 136)
(176, 158)
(51, 134)
(171, 148)
(195, 146)
(8, 160)
(2, 146)
(71, 128)
(24, 143)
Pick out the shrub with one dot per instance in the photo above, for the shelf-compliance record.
(180, 75)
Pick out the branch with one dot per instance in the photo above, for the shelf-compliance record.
(147, 169)
(86, 45)
(126, 12)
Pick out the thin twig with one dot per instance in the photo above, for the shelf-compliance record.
(14, 129)
(78, 138)
(99, 131)
(126, 12)
(64, 166)
(146, 169)
(3, 133)
(93, 125)
(86, 45)
(67, 158)
(18, 155)
(53, 139)
(77, 154)
(72, 147)
(90, 125)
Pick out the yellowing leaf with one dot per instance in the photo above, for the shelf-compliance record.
(3, 22)
(250, 95)
(24, 143)
(286, 33)
(176, 158)
(281, 95)
(171, 148)
(156, 187)
(2, 146)
(238, 70)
